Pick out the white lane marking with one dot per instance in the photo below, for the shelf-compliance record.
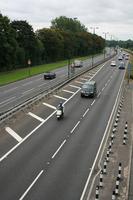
(7, 100)
(13, 134)
(105, 84)
(86, 112)
(99, 94)
(103, 88)
(79, 82)
(6, 91)
(75, 126)
(87, 76)
(27, 83)
(41, 85)
(84, 79)
(50, 106)
(36, 117)
(59, 97)
(68, 91)
(74, 86)
(28, 91)
(59, 148)
(93, 102)
(100, 147)
(25, 193)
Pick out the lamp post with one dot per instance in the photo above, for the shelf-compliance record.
(94, 32)
(105, 36)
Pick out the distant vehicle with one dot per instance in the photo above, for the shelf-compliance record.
(127, 57)
(121, 66)
(89, 89)
(78, 63)
(120, 58)
(113, 63)
(49, 75)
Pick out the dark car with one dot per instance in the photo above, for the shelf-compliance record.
(49, 75)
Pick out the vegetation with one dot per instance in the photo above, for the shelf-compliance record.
(66, 38)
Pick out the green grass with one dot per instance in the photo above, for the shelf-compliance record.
(19, 74)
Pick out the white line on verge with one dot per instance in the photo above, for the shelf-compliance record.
(13, 134)
(36, 117)
(74, 86)
(68, 91)
(59, 97)
(84, 79)
(50, 106)
(79, 82)
(59, 148)
(25, 193)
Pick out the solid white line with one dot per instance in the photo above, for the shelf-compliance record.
(68, 91)
(3, 102)
(28, 91)
(59, 97)
(93, 102)
(25, 193)
(50, 106)
(86, 112)
(59, 148)
(13, 134)
(35, 116)
(74, 86)
(75, 126)
(94, 163)
(79, 82)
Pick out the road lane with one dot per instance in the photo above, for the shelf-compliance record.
(67, 170)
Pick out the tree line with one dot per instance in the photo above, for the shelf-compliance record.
(66, 38)
(128, 44)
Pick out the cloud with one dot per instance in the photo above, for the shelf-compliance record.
(113, 16)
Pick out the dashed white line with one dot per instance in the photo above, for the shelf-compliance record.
(93, 102)
(13, 134)
(41, 85)
(86, 112)
(68, 91)
(59, 148)
(103, 88)
(6, 91)
(105, 84)
(36, 117)
(27, 83)
(59, 97)
(50, 106)
(25, 193)
(99, 94)
(75, 126)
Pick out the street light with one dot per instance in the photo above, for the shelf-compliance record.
(105, 36)
(94, 32)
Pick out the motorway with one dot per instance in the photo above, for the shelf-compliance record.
(45, 159)
(18, 92)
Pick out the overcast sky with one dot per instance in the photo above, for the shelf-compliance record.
(115, 16)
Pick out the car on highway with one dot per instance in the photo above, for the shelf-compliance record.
(120, 58)
(78, 63)
(89, 89)
(49, 75)
(121, 65)
(113, 63)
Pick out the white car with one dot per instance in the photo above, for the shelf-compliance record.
(113, 63)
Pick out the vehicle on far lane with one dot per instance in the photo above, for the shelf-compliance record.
(77, 63)
(121, 66)
(113, 63)
(49, 75)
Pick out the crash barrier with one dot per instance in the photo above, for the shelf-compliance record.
(118, 176)
(53, 87)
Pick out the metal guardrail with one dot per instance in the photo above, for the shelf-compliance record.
(50, 89)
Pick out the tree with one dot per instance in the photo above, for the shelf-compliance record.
(26, 39)
(68, 24)
(8, 44)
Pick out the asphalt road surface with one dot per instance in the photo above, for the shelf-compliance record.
(18, 92)
(46, 159)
